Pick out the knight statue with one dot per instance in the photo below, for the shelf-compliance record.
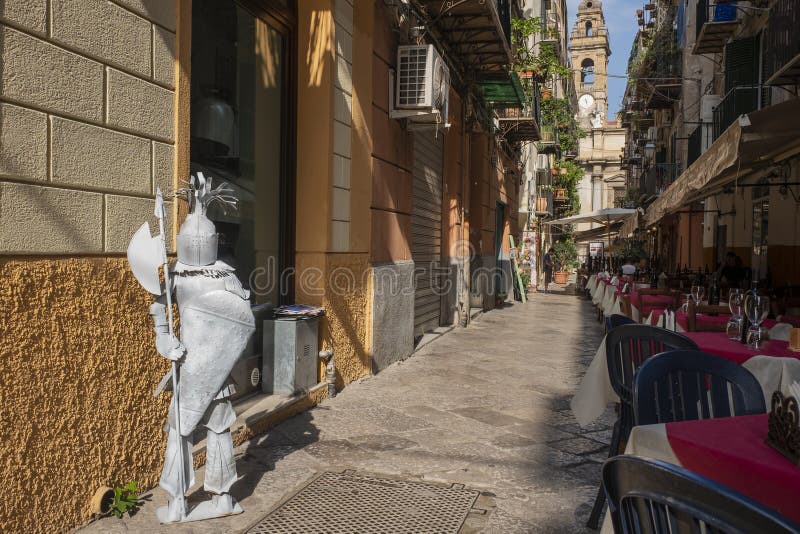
(216, 325)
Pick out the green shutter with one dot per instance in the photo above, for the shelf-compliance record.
(741, 63)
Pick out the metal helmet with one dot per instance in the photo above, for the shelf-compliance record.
(197, 239)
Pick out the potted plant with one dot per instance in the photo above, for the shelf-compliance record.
(565, 255)
(500, 299)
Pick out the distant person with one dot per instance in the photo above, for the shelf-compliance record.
(628, 268)
(549, 265)
(643, 265)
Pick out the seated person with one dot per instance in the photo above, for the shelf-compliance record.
(628, 268)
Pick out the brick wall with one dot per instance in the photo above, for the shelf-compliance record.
(86, 121)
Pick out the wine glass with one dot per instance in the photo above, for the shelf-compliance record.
(697, 294)
(757, 308)
(734, 327)
(687, 297)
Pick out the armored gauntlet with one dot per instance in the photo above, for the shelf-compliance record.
(167, 345)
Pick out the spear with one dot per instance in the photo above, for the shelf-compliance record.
(161, 214)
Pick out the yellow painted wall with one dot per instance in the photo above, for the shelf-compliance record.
(78, 369)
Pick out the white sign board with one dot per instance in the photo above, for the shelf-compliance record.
(596, 249)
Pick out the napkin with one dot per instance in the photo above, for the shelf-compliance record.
(780, 331)
(669, 320)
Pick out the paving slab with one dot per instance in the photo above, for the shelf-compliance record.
(485, 406)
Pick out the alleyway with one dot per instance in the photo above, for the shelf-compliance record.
(486, 407)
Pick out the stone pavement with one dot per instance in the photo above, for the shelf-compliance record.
(486, 406)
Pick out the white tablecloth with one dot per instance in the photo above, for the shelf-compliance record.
(595, 392)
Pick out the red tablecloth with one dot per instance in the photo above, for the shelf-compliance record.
(791, 319)
(719, 344)
(651, 302)
(732, 451)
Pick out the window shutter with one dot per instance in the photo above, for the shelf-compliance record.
(741, 63)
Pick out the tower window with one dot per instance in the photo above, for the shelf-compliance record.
(589, 31)
(587, 71)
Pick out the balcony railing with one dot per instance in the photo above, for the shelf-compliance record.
(782, 44)
(739, 101)
(657, 178)
(544, 201)
(716, 22)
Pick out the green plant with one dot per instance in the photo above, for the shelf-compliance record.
(126, 499)
(565, 254)
(558, 113)
(568, 177)
(633, 249)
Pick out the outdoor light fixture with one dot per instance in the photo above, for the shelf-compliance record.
(649, 150)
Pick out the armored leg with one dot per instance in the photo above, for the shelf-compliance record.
(170, 474)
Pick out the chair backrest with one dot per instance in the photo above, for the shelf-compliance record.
(655, 497)
(616, 320)
(693, 325)
(627, 348)
(686, 385)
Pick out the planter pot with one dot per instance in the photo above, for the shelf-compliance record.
(560, 277)
(554, 172)
(547, 93)
(560, 194)
(499, 300)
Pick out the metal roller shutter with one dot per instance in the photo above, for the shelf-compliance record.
(426, 229)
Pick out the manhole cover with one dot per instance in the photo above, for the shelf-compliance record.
(348, 502)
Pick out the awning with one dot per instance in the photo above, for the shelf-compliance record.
(503, 90)
(755, 141)
(605, 217)
(598, 234)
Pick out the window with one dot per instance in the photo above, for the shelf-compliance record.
(239, 136)
(587, 71)
(589, 31)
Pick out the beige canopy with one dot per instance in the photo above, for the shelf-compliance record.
(756, 140)
(607, 217)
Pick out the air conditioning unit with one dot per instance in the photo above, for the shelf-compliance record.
(422, 85)
(651, 133)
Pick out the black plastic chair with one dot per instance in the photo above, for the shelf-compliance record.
(627, 348)
(656, 497)
(616, 320)
(686, 385)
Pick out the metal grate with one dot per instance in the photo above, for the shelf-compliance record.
(413, 69)
(348, 502)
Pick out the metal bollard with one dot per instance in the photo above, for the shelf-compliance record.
(330, 371)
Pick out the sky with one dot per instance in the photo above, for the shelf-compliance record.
(621, 23)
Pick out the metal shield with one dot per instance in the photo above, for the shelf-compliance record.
(145, 256)
(215, 329)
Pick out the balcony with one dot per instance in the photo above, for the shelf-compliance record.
(716, 22)
(739, 101)
(474, 37)
(548, 142)
(519, 124)
(544, 201)
(782, 44)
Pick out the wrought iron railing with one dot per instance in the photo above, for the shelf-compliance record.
(544, 200)
(782, 39)
(739, 101)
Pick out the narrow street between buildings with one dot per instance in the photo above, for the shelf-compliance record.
(486, 407)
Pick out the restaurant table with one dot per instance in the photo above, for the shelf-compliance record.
(730, 451)
(703, 319)
(775, 367)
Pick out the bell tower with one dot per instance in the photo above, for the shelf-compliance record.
(589, 51)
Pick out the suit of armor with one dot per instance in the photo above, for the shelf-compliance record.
(216, 324)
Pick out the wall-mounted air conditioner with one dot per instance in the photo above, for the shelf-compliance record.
(421, 89)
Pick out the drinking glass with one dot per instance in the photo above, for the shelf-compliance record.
(757, 308)
(687, 297)
(697, 294)
(734, 327)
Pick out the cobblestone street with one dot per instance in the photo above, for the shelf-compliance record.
(486, 407)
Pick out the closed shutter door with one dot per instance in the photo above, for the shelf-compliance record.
(426, 229)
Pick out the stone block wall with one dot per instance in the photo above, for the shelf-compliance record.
(86, 121)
